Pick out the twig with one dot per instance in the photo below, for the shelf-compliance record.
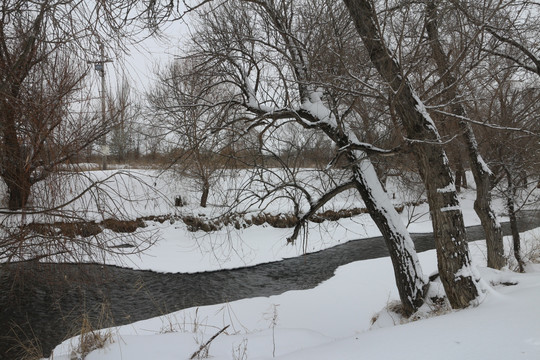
(205, 345)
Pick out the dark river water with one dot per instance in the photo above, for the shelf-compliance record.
(43, 303)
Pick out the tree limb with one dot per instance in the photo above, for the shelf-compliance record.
(316, 206)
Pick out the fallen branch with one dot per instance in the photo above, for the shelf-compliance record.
(206, 344)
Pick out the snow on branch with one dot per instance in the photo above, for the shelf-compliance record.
(311, 114)
(316, 107)
(450, 208)
(369, 148)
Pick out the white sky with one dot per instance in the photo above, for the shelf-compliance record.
(139, 65)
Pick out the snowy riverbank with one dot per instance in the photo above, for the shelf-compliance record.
(333, 321)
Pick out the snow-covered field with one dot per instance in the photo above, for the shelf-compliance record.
(332, 321)
(131, 194)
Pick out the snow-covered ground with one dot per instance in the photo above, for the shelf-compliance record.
(332, 321)
(137, 193)
(178, 250)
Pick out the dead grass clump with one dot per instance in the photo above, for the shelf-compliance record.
(28, 346)
(259, 219)
(89, 340)
(433, 306)
(281, 220)
(159, 218)
(333, 215)
(533, 253)
(123, 226)
(392, 313)
(90, 336)
(68, 229)
(196, 223)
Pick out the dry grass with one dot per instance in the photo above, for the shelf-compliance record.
(28, 346)
(533, 252)
(90, 337)
(530, 253)
(433, 306)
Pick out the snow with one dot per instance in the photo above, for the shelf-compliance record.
(348, 316)
(447, 189)
(178, 250)
(451, 208)
(316, 107)
(333, 321)
(421, 108)
(483, 164)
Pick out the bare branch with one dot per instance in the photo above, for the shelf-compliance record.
(315, 206)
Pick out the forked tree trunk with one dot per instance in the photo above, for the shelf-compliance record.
(455, 269)
(482, 174)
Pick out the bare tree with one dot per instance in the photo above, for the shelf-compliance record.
(44, 122)
(188, 110)
(264, 51)
(455, 269)
(512, 153)
(47, 120)
(483, 176)
(126, 111)
(508, 40)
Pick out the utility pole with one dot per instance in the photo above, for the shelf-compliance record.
(99, 65)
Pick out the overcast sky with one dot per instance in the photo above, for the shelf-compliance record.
(139, 65)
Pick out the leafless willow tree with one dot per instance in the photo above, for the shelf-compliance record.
(190, 114)
(41, 126)
(502, 79)
(453, 258)
(511, 141)
(48, 117)
(483, 176)
(126, 111)
(44, 48)
(266, 52)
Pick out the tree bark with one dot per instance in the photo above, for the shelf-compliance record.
(461, 178)
(410, 281)
(205, 193)
(482, 174)
(457, 275)
(511, 207)
(14, 172)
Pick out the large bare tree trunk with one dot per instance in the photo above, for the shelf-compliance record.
(14, 172)
(205, 192)
(482, 174)
(455, 269)
(410, 280)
